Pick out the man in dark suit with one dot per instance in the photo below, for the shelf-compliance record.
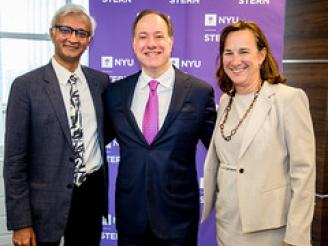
(54, 167)
(157, 194)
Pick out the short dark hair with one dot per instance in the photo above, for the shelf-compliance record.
(145, 12)
(269, 70)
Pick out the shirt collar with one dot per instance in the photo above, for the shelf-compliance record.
(63, 74)
(166, 79)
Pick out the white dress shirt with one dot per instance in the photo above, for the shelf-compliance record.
(141, 93)
(92, 154)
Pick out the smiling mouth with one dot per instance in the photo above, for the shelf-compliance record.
(71, 47)
(238, 70)
(152, 53)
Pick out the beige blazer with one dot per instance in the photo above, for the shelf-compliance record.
(276, 165)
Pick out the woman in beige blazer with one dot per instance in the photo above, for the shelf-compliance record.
(260, 167)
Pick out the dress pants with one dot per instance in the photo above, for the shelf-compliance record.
(150, 239)
(85, 219)
(84, 224)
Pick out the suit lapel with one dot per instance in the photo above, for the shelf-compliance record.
(182, 86)
(56, 98)
(127, 96)
(181, 89)
(97, 100)
(261, 109)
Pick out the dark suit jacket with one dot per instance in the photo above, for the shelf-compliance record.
(38, 162)
(157, 183)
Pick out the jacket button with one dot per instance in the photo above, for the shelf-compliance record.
(69, 186)
(241, 170)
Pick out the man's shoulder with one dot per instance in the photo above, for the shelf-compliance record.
(116, 88)
(35, 72)
(94, 72)
(196, 82)
(32, 76)
(133, 78)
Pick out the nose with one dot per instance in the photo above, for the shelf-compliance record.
(73, 38)
(235, 59)
(151, 42)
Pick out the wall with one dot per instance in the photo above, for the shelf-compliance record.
(306, 66)
(5, 236)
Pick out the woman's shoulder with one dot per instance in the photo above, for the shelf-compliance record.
(283, 91)
(286, 95)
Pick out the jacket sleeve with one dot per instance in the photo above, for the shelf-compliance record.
(16, 157)
(301, 149)
(209, 119)
(211, 166)
(108, 129)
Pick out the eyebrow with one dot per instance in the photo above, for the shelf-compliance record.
(242, 48)
(141, 33)
(147, 33)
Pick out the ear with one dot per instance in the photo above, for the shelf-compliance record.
(262, 55)
(172, 40)
(90, 39)
(51, 33)
(134, 44)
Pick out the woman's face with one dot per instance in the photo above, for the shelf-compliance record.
(242, 60)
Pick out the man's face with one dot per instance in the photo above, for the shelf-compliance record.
(69, 47)
(152, 45)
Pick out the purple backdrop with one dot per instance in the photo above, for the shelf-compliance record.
(197, 24)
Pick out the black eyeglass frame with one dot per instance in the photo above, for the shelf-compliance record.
(67, 30)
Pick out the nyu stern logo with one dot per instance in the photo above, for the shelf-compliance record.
(116, 1)
(185, 63)
(212, 20)
(184, 1)
(201, 190)
(254, 1)
(111, 62)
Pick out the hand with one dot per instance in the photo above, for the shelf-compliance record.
(24, 237)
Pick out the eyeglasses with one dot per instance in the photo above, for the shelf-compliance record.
(67, 31)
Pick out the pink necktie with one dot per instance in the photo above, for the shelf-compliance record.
(150, 120)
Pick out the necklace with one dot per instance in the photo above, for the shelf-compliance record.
(227, 111)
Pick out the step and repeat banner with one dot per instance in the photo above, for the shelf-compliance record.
(197, 24)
